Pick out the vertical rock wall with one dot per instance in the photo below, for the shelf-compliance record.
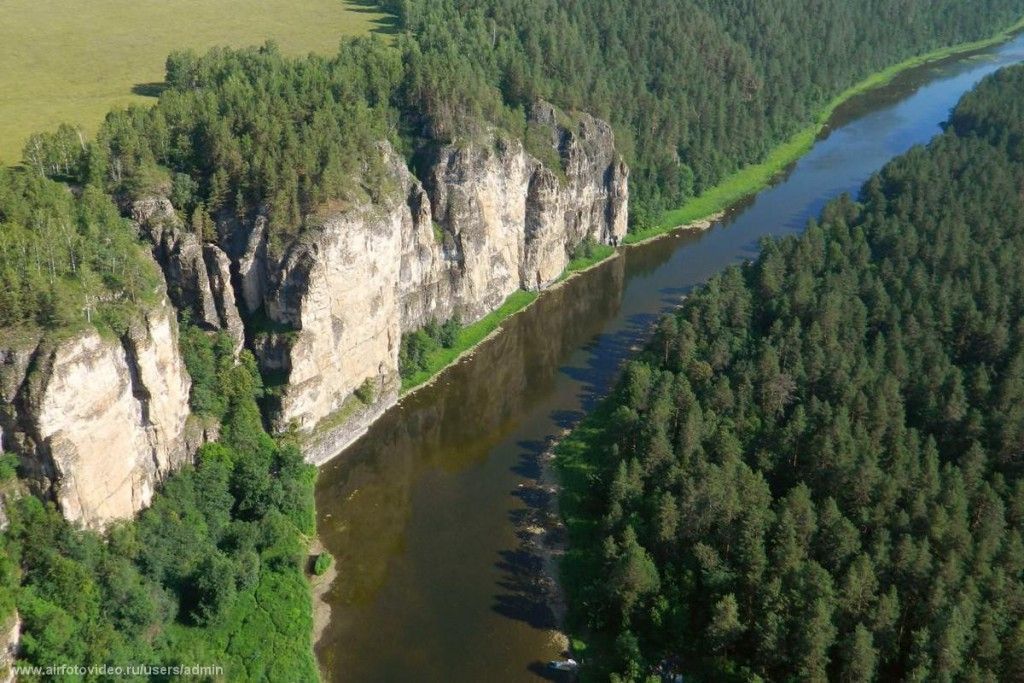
(326, 312)
(487, 220)
(98, 421)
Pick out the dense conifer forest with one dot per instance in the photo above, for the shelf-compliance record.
(806, 484)
(67, 260)
(814, 469)
(695, 90)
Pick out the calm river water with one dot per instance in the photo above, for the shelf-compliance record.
(424, 514)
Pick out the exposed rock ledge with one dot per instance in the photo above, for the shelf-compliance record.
(198, 275)
(98, 422)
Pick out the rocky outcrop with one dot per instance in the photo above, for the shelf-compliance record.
(514, 220)
(98, 421)
(488, 218)
(198, 275)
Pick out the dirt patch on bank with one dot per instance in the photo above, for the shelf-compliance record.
(319, 586)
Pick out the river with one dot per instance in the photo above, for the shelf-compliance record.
(428, 514)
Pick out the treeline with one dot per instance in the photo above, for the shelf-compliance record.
(814, 469)
(212, 573)
(695, 88)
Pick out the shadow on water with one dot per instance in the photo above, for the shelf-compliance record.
(605, 356)
(524, 599)
(526, 590)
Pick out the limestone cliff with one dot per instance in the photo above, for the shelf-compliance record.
(98, 421)
(198, 275)
(487, 219)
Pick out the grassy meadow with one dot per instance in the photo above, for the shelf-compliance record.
(73, 61)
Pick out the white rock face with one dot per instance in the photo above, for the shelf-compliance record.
(488, 219)
(479, 195)
(345, 310)
(101, 421)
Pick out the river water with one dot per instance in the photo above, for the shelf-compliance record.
(426, 513)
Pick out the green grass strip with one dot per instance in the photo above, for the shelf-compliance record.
(598, 253)
(753, 178)
(468, 337)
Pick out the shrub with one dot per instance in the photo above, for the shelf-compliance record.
(413, 356)
(366, 392)
(449, 332)
(8, 466)
(321, 564)
(585, 249)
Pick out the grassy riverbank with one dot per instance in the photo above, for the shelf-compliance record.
(469, 336)
(753, 178)
(577, 471)
(598, 253)
(705, 208)
(582, 456)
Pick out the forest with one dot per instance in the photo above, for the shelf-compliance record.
(694, 89)
(67, 260)
(814, 468)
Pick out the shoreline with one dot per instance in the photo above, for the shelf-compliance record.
(319, 587)
(544, 535)
(567, 461)
(704, 211)
(550, 540)
(753, 178)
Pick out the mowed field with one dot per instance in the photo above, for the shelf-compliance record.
(73, 60)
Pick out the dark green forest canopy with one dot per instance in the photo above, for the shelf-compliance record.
(814, 469)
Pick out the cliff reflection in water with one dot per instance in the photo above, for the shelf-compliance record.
(365, 496)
